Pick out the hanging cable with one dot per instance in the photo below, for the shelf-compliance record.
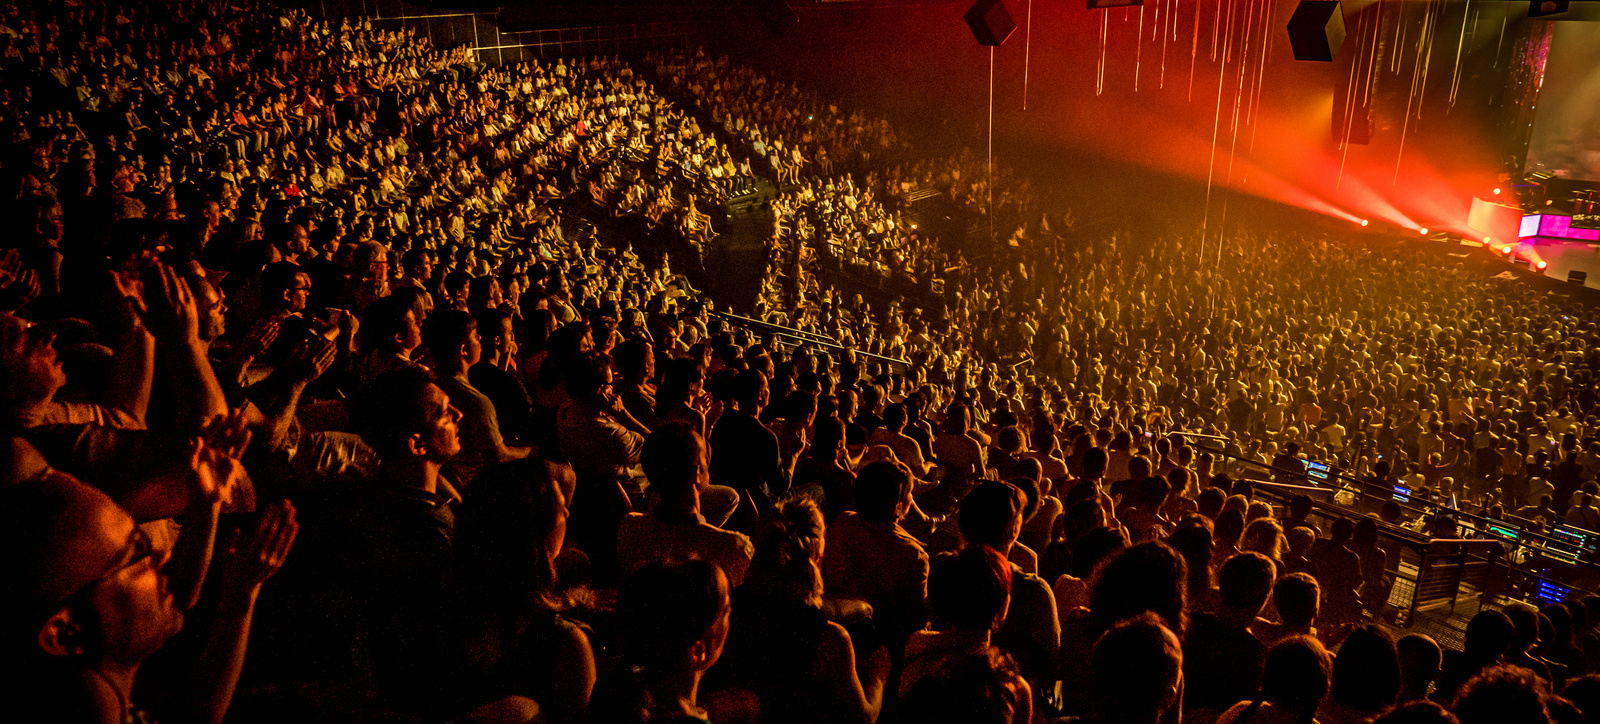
(1138, 50)
(1100, 77)
(1216, 126)
(1455, 77)
(1171, 12)
(1027, 50)
(1500, 44)
(990, 170)
(1194, 48)
(1350, 102)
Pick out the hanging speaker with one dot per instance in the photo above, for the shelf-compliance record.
(776, 14)
(991, 23)
(1541, 8)
(1316, 30)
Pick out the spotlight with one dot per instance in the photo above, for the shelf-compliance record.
(1422, 231)
(1548, 202)
(1508, 249)
(1364, 223)
(1497, 192)
(1487, 239)
(1542, 265)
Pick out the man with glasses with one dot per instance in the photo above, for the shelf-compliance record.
(285, 290)
(89, 599)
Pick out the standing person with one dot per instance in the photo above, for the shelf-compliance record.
(1366, 677)
(1294, 682)
(405, 542)
(1138, 672)
(1223, 658)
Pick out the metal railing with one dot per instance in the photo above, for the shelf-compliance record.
(1521, 553)
(800, 336)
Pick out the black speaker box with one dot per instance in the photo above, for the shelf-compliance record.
(1316, 30)
(1541, 8)
(991, 22)
(776, 14)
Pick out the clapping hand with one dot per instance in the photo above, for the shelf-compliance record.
(214, 455)
(130, 287)
(18, 284)
(252, 559)
(260, 338)
(168, 306)
(10, 266)
(312, 358)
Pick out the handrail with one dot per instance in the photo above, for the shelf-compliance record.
(1546, 546)
(1477, 519)
(1253, 481)
(791, 331)
(1419, 542)
(804, 337)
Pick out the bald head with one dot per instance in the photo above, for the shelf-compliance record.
(62, 535)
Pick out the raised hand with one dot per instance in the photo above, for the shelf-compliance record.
(18, 284)
(260, 338)
(25, 288)
(10, 266)
(312, 358)
(214, 455)
(346, 322)
(170, 309)
(253, 558)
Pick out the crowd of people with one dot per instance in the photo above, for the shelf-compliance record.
(389, 338)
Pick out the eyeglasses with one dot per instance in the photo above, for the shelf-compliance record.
(139, 548)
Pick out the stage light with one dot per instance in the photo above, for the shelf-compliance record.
(1364, 223)
(1497, 192)
(1423, 231)
(1487, 239)
(1548, 202)
(1542, 265)
(1508, 249)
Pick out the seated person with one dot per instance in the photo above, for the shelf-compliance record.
(91, 603)
(675, 462)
